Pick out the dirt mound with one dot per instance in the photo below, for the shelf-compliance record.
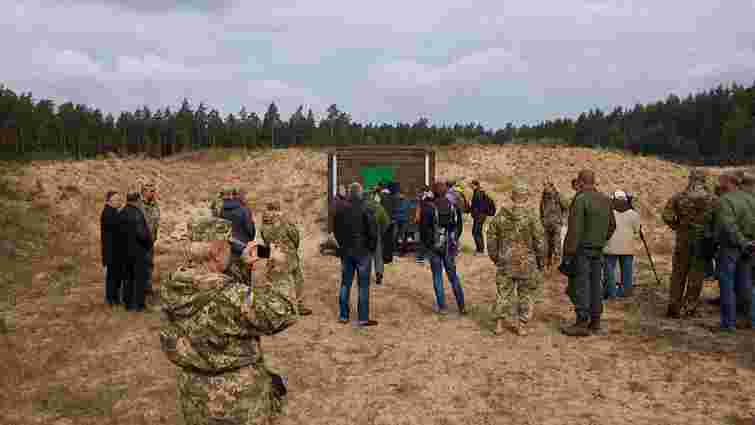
(94, 365)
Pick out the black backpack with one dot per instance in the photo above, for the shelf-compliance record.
(444, 222)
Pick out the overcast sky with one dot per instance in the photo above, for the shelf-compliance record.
(485, 61)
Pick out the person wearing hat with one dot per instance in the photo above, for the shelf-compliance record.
(138, 242)
(553, 207)
(591, 224)
(278, 230)
(620, 247)
(516, 247)
(152, 214)
(243, 229)
(736, 232)
(217, 311)
(688, 213)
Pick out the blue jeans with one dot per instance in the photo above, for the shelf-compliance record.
(626, 262)
(360, 265)
(733, 271)
(437, 264)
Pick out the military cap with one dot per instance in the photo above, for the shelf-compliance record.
(206, 228)
(697, 175)
(148, 186)
(519, 189)
(227, 189)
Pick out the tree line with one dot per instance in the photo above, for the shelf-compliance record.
(715, 127)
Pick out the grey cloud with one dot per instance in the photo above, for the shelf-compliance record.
(160, 6)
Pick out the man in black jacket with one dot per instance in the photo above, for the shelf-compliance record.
(356, 233)
(112, 247)
(137, 242)
(242, 223)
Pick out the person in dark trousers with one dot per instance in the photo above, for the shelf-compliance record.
(356, 233)
(480, 212)
(137, 242)
(391, 202)
(242, 223)
(438, 236)
(112, 247)
(425, 195)
(591, 225)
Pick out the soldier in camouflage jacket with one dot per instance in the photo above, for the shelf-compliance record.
(689, 213)
(152, 215)
(214, 315)
(515, 245)
(553, 207)
(277, 229)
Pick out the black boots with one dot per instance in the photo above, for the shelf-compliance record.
(580, 328)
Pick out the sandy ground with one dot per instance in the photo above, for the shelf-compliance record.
(71, 353)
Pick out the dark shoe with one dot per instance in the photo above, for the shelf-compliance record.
(304, 311)
(463, 311)
(378, 279)
(727, 331)
(343, 321)
(580, 328)
(673, 314)
(595, 327)
(744, 324)
(368, 323)
(442, 311)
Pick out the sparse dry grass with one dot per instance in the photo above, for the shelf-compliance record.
(415, 367)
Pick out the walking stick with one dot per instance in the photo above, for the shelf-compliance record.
(650, 257)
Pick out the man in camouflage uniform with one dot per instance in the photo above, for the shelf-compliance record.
(216, 205)
(689, 213)
(279, 230)
(553, 207)
(215, 312)
(515, 245)
(152, 214)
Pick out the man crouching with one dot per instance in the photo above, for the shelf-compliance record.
(215, 311)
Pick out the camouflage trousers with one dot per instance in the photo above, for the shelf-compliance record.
(298, 277)
(553, 242)
(687, 275)
(515, 297)
(239, 397)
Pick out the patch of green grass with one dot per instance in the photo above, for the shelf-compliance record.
(632, 319)
(483, 315)
(23, 237)
(736, 420)
(61, 402)
(63, 278)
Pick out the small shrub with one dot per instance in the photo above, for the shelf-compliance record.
(61, 402)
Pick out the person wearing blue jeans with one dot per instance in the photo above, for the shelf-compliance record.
(446, 262)
(355, 229)
(626, 263)
(620, 248)
(350, 265)
(736, 232)
(735, 270)
(444, 259)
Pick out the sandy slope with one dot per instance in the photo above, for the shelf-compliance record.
(414, 368)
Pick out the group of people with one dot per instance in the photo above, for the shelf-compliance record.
(128, 234)
(228, 293)
(714, 227)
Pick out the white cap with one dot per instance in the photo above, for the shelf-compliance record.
(619, 195)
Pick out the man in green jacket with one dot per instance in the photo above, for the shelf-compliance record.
(591, 225)
(736, 233)
(383, 221)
